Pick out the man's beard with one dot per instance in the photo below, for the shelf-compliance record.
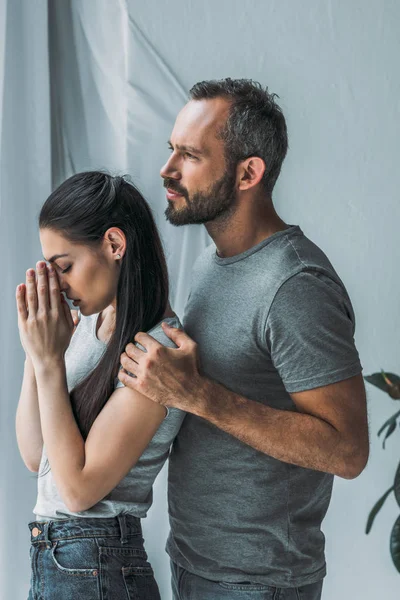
(203, 207)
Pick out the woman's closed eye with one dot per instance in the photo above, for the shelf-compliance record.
(63, 270)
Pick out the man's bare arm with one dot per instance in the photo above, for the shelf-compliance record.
(329, 433)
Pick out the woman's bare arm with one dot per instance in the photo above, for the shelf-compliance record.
(86, 471)
(28, 428)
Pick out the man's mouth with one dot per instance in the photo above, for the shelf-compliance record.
(172, 194)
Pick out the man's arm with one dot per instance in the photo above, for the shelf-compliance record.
(329, 433)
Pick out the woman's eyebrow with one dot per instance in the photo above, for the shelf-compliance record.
(53, 258)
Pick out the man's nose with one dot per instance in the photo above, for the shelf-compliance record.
(170, 170)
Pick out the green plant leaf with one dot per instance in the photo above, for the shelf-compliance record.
(378, 380)
(396, 485)
(391, 428)
(376, 509)
(389, 422)
(395, 544)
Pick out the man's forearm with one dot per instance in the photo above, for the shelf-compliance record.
(292, 437)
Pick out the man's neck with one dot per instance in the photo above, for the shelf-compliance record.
(245, 229)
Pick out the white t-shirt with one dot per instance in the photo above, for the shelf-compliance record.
(133, 495)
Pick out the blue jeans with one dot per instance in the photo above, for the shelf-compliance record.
(187, 586)
(92, 559)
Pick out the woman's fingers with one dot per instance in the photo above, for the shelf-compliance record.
(42, 287)
(21, 302)
(54, 290)
(67, 312)
(31, 292)
(75, 317)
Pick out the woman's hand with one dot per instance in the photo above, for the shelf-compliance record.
(44, 318)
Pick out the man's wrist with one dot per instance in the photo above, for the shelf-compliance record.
(200, 397)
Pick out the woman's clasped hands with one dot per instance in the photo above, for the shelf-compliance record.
(44, 319)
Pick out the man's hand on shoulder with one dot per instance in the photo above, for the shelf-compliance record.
(168, 376)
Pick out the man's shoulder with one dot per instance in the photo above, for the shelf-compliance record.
(294, 252)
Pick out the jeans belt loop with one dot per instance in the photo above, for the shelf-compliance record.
(123, 529)
(46, 535)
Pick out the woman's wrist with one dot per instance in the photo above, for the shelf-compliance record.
(29, 364)
(48, 366)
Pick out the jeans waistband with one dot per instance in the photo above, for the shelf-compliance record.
(121, 526)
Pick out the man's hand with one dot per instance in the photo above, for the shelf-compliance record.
(168, 376)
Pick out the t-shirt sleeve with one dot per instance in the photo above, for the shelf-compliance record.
(159, 335)
(310, 332)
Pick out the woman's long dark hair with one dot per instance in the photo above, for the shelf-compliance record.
(82, 209)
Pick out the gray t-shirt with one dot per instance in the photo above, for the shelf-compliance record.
(133, 494)
(272, 320)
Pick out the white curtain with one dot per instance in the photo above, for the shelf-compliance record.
(80, 88)
(25, 180)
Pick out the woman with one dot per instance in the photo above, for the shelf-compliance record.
(97, 445)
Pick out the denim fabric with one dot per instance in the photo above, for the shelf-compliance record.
(92, 559)
(187, 586)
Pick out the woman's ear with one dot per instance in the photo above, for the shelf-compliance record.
(250, 172)
(116, 242)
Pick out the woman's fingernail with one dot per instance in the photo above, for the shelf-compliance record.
(51, 269)
(30, 272)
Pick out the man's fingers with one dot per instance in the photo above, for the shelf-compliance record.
(129, 364)
(133, 352)
(178, 336)
(126, 379)
(145, 340)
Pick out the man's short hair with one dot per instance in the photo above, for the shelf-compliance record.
(255, 125)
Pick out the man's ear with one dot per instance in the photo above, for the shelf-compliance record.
(250, 172)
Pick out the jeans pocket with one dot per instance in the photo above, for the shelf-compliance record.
(76, 557)
(312, 591)
(269, 592)
(140, 583)
(126, 573)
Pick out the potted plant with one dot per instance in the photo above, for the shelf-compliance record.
(389, 383)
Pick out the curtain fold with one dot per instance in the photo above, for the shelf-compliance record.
(80, 88)
(25, 180)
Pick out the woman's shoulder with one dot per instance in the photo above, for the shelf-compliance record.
(158, 334)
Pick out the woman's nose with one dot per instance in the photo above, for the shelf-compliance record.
(62, 284)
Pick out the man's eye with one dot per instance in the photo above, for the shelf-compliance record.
(190, 155)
